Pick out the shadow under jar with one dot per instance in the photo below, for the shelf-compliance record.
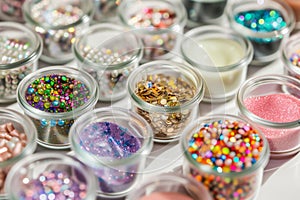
(114, 142)
(223, 63)
(20, 49)
(58, 23)
(50, 176)
(53, 97)
(266, 24)
(159, 23)
(109, 54)
(167, 94)
(227, 154)
(17, 140)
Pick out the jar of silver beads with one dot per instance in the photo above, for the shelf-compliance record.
(58, 23)
(20, 49)
(109, 53)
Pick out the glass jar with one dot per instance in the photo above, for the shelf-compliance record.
(17, 140)
(170, 186)
(265, 23)
(167, 94)
(290, 55)
(11, 10)
(58, 23)
(19, 54)
(106, 10)
(50, 176)
(272, 102)
(227, 154)
(224, 63)
(114, 142)
(53, 97)
(159, 23)
(109, 54)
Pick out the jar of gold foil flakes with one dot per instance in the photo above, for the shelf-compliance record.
(166, 94)
(58, 23)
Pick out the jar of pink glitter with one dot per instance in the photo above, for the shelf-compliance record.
(272, 102)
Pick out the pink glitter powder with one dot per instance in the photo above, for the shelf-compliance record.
(279, 108)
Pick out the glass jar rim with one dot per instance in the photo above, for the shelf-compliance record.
(294, 39)
(196, 32)
(85, 17)
(255, 81)
(68, 71)
(120, 112)
(261, 163)
(37, 45)
(171, 65)
(115, 28)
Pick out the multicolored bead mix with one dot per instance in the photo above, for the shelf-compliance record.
(12, 9)
(165, 91)
(110, 141)
(295, 58)
(52, 185)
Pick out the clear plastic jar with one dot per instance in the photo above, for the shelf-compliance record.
(19, 54)
(109, 53)
(114, 142)
(272, 103)
(11, 10)
(227, 154)
(18, 139)
(224, 66)
(58, 23)
(167, 94)
(50, 176)
(169, 186)
(290, 55)
(159, 23)
(265, 23)
(53, 97)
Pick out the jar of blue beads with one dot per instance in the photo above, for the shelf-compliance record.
(265, 23)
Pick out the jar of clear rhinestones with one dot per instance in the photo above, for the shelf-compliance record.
(159, 23)
(58, 23)
(109, 54)
(50, 176)
(19, 53)
(53, 97)
(11, 10)
(167, 95)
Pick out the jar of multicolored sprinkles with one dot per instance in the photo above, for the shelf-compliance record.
(227, 154)
(53, 97)
(20, 49)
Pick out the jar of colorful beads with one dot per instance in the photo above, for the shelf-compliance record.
(11, 10)
(159, 23)
(109, 53)
(17, 140)
(265, 23)
(223, 63)
(114, 142)
(290, 55)
(167, 94)
(19, 54)
(227, 154)
(50, 176)
(53, 97)
(272, 102)
(58, 23)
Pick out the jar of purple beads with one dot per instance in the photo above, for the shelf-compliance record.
(114, 142)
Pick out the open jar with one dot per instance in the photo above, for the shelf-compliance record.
(58, 23)
(114, 142)
(225, 62)
(272, 102)
(11, 10)
(53, 97)
(265, 23)
(17, 140)
(109, 53)
(19, 54)
(50, 176)
(167, 94)
(227, 154)
(159, 23)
